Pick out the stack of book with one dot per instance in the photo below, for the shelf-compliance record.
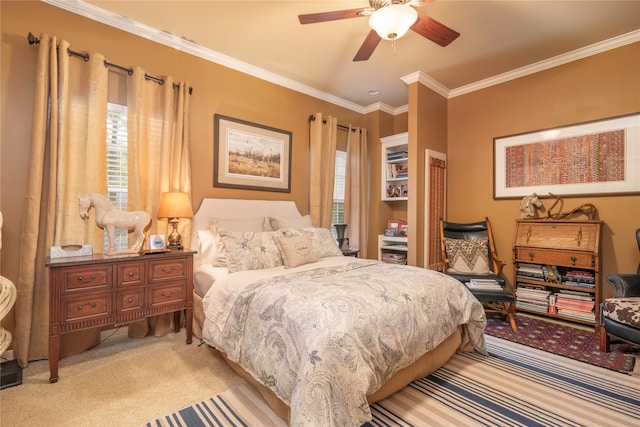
(397, 170)
(397, 155)
(579, 278)
(394, 258)
(531, 297)
(576, 305)
(530, 271)
(483, 284)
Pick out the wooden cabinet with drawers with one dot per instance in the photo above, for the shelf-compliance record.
(557, 268)
(97, 291)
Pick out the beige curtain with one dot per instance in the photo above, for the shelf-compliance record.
(322, 158)
(67, 159)
(159, 160)
(356, 196)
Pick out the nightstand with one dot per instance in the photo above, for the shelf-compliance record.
(350, 252)
(97, 291)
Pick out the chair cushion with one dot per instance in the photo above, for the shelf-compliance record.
(467, 256)
(623, 310)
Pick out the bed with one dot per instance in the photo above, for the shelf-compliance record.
(319, 335)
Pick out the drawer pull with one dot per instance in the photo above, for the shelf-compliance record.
(528, 234)
(173, 268)
(531, 255)
(130, 300)
(573, 260)
(92, 278)
(131, 274)
(164, 294)
(579, 236)
(92, 304)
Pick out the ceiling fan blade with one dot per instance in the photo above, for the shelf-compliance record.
(335, 15)
(434, 30)
(368, 46)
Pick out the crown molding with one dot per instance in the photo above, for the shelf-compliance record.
(546, 64)
(125, 24)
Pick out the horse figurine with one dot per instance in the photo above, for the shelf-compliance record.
(529, 206)
(110, 218)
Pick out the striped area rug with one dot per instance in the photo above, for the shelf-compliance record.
(514, 386)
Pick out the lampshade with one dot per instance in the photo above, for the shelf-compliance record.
(393, 21)
(175, 205)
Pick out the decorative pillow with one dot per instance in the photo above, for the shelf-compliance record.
(296, 249)
(248, 250)
(278, 223)
(324, 243)
(467, 256)
(216, 225)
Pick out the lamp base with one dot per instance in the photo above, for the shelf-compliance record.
(175, 247)
(174, 240)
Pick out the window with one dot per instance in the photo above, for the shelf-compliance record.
(337, 213)
(117, 168)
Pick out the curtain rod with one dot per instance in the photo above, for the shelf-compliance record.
(312, 118)
(85, 56)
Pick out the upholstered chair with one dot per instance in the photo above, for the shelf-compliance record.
(620, 315)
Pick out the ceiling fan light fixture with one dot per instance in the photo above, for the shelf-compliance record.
(393, 21)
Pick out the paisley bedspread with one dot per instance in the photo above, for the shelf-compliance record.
(325, 338)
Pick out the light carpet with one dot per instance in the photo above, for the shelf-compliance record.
(514, 386)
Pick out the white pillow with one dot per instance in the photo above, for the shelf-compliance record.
(296, 249)
(237, 224)
(278, 223)
(207, 247)
(248, 250)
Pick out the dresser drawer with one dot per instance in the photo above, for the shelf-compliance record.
(167, 269)
(88, 278)
(130, 300)
(555, 257)
(90, 308)
(161, 295)
(130, 274)
(581, 237)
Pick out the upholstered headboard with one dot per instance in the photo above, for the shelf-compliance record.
(238, 208)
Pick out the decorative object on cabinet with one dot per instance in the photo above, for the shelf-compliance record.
(251, 156)
(93, 292)
(469, 255)
(529, 206)
(173, 206)
(111, 218)
(557, 268)
(587, 209)
(395, 172)
(585, 158)
(620, 315)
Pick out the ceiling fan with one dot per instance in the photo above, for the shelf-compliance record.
(389, 20)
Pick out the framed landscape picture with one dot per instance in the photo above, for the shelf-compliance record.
(251, 156)
(594, 158)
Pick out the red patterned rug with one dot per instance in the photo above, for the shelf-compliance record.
(566, 341)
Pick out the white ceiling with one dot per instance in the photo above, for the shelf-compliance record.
(499, 40)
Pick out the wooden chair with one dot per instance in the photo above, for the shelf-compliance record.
(468, 252)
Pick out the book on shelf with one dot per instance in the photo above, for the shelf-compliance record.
(397, 155)
(483, 284)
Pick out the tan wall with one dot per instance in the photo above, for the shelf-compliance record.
(596, 87)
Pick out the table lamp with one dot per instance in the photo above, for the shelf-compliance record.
(173, 206)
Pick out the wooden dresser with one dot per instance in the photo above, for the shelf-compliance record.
(97, 291)
(557, 268)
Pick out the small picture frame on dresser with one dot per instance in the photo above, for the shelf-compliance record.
(157, 241)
